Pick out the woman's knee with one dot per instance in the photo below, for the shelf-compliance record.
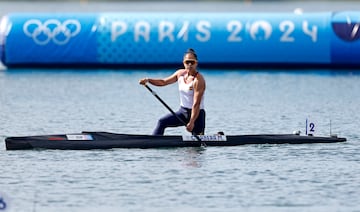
(162, 122)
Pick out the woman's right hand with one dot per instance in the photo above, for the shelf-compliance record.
(143, 81)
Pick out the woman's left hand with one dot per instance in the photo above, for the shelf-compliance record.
(190, 126)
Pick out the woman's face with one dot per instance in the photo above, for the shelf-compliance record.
(190, 61)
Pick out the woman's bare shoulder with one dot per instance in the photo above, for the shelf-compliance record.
(180, 72)
(200, 81)
(200, 77)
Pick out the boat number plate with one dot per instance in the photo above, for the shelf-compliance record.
(204, 138)
(79, 137)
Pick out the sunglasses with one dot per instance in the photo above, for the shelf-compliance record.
(192, 62)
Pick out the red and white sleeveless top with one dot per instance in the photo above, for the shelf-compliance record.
(186, 91)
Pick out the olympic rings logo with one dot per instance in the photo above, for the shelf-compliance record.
(51, 30)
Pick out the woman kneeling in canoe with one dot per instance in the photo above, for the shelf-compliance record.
(191, 89)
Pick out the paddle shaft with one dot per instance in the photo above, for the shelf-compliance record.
(167, 106)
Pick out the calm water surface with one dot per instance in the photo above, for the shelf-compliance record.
(316, 177)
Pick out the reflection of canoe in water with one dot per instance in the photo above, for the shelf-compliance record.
(105, 140)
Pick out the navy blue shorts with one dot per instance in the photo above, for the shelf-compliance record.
(171, 120)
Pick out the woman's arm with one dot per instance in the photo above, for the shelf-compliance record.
(161, 82)
(199, 90)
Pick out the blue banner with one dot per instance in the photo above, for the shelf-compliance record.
(51, 38)
(218, 37)
(161, 38)
(345, 38)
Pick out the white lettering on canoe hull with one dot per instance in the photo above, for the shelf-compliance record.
(79, 137)
(204, 138)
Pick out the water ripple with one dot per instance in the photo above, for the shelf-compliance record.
(310, 177)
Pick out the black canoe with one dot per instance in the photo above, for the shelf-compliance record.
(106, 140)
